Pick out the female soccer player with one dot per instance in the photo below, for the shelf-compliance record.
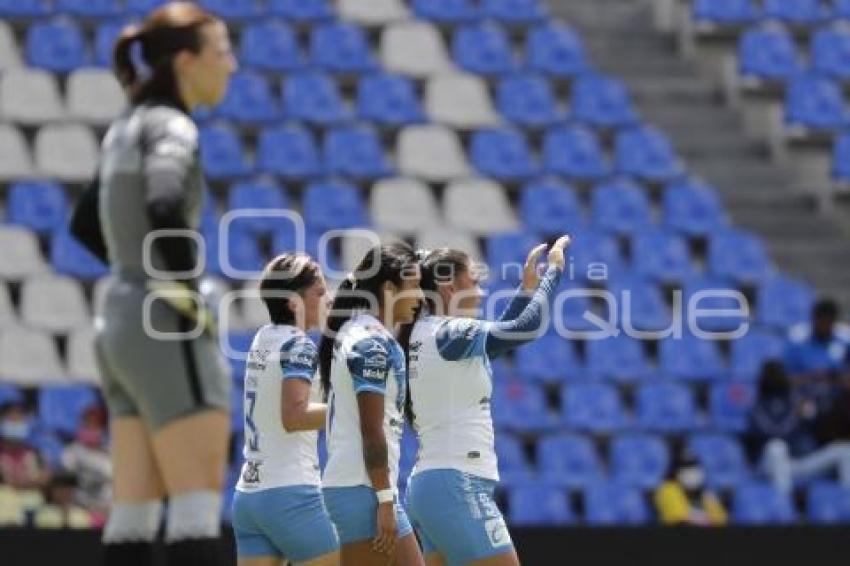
(364, 376)
(168, 399)
(450, 491)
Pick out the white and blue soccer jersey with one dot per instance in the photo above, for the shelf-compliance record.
(274, 457)
(450, 390)
(366, 358)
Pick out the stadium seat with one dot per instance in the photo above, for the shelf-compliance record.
(288, 151)
(549, 207)
(333, 206)
(841, 9)
(828, 503)
(69, 257)
(41, 206)
(301, 11)
(692, 208)
(639, 460)
(7, 311)
(222, 153)
(413, 48)
(704, 296)
(815, 103)
(522, 407)
(528, 100)
(313, 97)
(761, 504)
(375, 13)
(68, 152)
(478, 205)
(82, 363)
(94, 9)
(749, 353)
(403, 206)
(602, 102)
(459, 100)
(142, 7)
(621, 207)
(502, 154)
(442, 236)
(30, 97)
(21, 254)
(642, 306)
(509, 249)
(725, 12)
(24, 8)
(51, 303)
(105, 36)
(738, 256)
(621, 358)
(388, 100)
(513, 463)
(665, 407)
(690, 358)
(841, 158)
(799, 12)
(28, 357)
(56, 45)
(10, 54)
(258, 196)
(483, 49)
(576, 152)
(94, 96)
(271, 46)
(592, 407)
(572, 319)
(568, 460)
(646, 153)
(830, 51)
(549, 359)
(10, 394)
(722, 458)
(556, 50)
(661, 256)
(355, 152)
(521, 12)
(446, 11)
(254, 312)
(60, 408)
(729, 405)
(234, 10)
(768, 53)
(341, 48)
(249, 100)
(593, 251)
(783, 302)
(242, 258)
(539, 505)
(615, 504)
(15, 158)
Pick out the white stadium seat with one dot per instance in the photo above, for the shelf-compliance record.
(460, 100)
(30, 97)
(53, 303)
(15, 158)
(29, 357)
(431, 152)
(94, 96)
(68, 152)
(254, 312)
(404, 206)
(10, 55)
(372, 12)
(7, 309)
(82, 362)
(448, 237)
(21, 255)
(478, 205)
(415, 49)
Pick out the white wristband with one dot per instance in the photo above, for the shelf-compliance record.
(386, 495)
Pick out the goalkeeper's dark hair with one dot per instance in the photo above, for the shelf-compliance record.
(284, 275)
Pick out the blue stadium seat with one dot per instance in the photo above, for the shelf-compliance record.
(761, 504)
(722, 459)
(313, 97)
(768, 53)
(615, 504)
(816, 103)
(643, 307)
(638, 460)
(749, 352)
(105, 36)
(333, 205)
(243, 251)
(50, 447)
(527, 99)
(142, 7)
(522, 407)
(509, 249)
(592, 250)
(514, 11)
(556, 50)
(209, 214)
(513, 464)
(355, 151)
(601, 101)
(41, 206)
(662, 256)
(56, 45)
(10, 394)
(69, 257)
(271, 46)
(783, 302)
(502, 154)
(549, 207)
(573, 314)
(265, 197)
(692, 208)
(341, 48)
(729, 405)
(830, 52)
(88, 8)
(446, 11)
(237, 10)
(725, 12)
(646, 152)
(800, 12)
(288, 151)
(715, 295)
(621, 207)
(841, 9)
(249, 99)
(690, 358)
(61, 407)
(222, 153)
(739, 256)
(592, 407)
(388, 100)
(665, 407)
(24, 8)
(568, 460)
(621, 358)
(302, 10)
(841, 158)
(828, 503)
(548, 359)
(539, 505)
(575, 151)
(483, 49)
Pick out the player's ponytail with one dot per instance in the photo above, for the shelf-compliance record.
(125, 70)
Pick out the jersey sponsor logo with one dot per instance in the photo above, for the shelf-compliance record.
(374, 374)
(375, 361)
(497, 532)
(251, 473)
(375, 348)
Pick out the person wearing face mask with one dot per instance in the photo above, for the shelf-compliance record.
(21, 466)
(684, 499)
(87, 459)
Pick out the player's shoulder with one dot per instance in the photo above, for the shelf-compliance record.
(161, 120)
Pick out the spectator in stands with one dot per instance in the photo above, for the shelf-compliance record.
(88, 459)
(60, 510)
(21, 467)
(683, 498)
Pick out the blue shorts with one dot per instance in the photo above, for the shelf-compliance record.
(289, 522)
(354, 509)
(455, 514)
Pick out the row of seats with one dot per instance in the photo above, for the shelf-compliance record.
(67, 152)
(30, 357)
(796, 12)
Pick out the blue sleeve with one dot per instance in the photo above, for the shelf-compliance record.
(299, 358)
(461, 338)
(369, 364)
(507, 335)
(516, 305)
